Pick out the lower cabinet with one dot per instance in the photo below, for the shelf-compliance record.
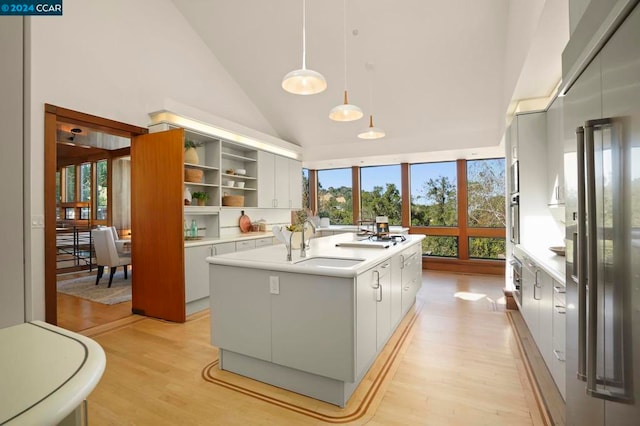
(558, 367)
(411, 277)
(196, 272)
(543, 309)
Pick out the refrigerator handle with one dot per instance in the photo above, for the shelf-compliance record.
(619, 392)
(580, 266)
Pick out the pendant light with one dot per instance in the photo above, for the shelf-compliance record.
(345, 111)
(371, 132)
(304, 81)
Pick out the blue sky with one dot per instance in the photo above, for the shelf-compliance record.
(381, 175)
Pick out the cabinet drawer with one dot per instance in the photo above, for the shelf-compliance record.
(223, 248)
(261, 242)
(245, 245)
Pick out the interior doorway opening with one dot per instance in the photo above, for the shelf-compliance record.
(87, 185)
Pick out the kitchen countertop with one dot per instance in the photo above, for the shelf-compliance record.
(550, 262)
(46, 371)
(228, 239)
(274, 257)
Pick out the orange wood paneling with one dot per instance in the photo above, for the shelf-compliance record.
(157, 170)
(463, 241)
(313, 191)
(405, 194)
(355, 193)
(50, 289)
(470, 266)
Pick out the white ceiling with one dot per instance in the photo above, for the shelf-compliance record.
(444, 72)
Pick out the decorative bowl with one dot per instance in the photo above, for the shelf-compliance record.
(229, 182)
(240, 184)
(559, 250)
(241, 172)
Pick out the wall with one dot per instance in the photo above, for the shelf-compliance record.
(119, 60)
(11, 171)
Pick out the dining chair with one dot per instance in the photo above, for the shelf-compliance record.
(107, 254)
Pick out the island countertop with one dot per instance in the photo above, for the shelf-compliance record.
(275, 257)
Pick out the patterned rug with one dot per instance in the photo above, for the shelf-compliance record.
(86, 288)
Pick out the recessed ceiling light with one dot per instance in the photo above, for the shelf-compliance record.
(76, 130)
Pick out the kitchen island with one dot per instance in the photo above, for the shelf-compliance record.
(312, 325)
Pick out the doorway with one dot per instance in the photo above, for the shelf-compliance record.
(86, 168)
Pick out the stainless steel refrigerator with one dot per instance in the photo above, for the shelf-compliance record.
(602, 192)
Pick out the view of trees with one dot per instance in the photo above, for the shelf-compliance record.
(434, 203)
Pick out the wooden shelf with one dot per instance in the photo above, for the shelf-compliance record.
(238, 176)
(237, 189)
(236, 157)
(200, 166)
(211, 185)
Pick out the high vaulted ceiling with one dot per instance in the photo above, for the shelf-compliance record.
(438, 76)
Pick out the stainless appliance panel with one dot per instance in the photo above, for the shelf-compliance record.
(603, 253)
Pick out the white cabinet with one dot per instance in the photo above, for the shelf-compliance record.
(245, 245)
(532, 158)
(543, 309)
(295, 184)
(223, 248)
(280, 181)
(382, 284)
(558, 360)
(196, 272)
(262, 242)
(411, 276)
(555, 153)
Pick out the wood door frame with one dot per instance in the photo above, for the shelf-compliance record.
(52, 116)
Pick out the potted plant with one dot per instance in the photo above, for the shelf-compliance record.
(201, 197)
(190, 153)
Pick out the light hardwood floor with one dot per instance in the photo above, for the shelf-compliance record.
(77, 314)
(460, 365)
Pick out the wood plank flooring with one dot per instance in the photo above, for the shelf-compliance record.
(77, 314)
(460, 366)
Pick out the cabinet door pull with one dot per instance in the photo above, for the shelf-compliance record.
(559, 289)
(559, 356)
(561, 309)
(385, 266)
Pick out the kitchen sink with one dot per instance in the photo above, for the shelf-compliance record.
(329, 262)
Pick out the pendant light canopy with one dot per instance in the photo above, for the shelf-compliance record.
(371, 132)
(345, 111)
(304, 81)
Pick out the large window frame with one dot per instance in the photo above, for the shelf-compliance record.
(463, 262)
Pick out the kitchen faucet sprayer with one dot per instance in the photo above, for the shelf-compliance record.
(304, 246)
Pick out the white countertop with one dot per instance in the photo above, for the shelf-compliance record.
(45, 372)
(274, 257)
(228, 239)
(550, 262)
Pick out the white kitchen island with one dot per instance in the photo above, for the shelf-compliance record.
(312, 325)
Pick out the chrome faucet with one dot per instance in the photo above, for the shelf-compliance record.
(304, 246)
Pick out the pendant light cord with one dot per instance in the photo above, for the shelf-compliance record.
(304, 34)
(344, 35)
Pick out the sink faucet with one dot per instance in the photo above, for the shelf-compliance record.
(304, 246)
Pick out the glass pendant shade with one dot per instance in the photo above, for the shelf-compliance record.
(345, 111)
(304, 81)
(371, 132)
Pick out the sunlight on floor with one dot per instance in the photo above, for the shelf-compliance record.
(473, 297)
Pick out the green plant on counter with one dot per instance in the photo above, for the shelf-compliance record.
(294, 228)
(200, 196)
(190, 143)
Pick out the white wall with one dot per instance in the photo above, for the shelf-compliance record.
(11, 171)
(120, 60)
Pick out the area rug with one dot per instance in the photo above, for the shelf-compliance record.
(86, 288)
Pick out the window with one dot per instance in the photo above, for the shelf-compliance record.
(434, 194)
(85, 182)
(380, 193)
(487, 248)
(335, 196)
(440, 246)
(485, 193)
(101, 190)
(70, 183)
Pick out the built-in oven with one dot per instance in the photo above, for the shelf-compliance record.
(514, 219)
(516, 280)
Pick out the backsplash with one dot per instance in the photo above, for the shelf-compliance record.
(229, 219)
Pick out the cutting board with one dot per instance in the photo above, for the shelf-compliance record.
(245, 222)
